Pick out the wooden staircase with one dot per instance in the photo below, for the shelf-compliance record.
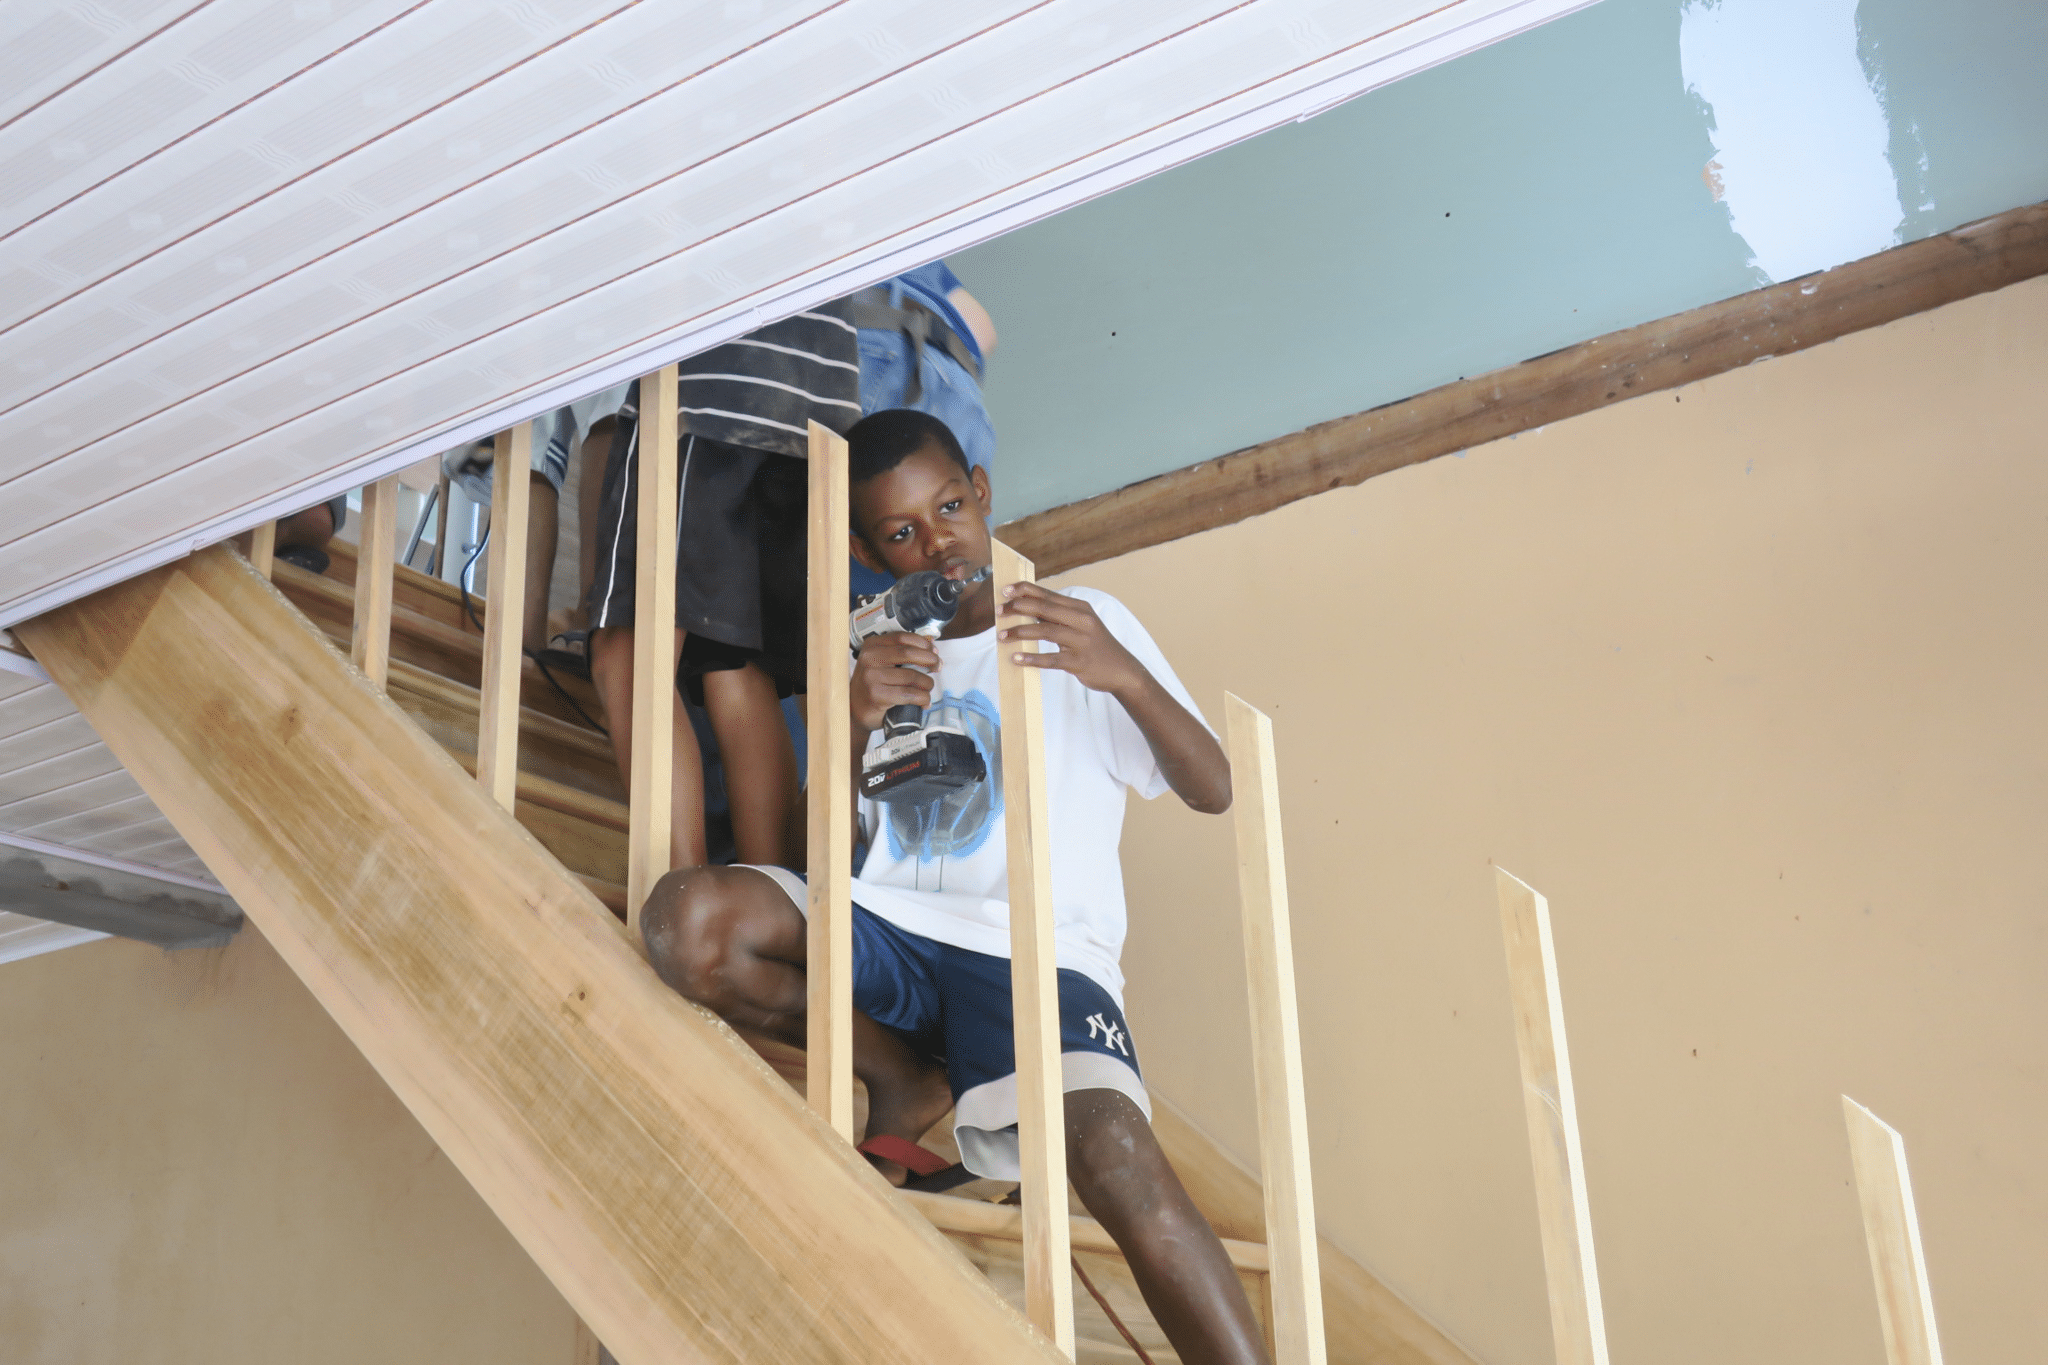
(138, 689)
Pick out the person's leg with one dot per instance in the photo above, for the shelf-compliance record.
(541, 529)
(731, 939)
(1179, 1263)
(611, 673)
(759, 758)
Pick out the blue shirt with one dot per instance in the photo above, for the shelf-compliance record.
(929, 285)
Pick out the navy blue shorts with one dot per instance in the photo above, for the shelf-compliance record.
(952, 1005)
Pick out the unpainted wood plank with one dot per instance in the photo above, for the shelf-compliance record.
(1577, 1325)
(1297, 1286)
(1005, 1222)
(497, 730)
(829, 815)
(680, 1197)
(1034, 988)
(1682, 349)
(438, 564)
(426, 641)
(263, 548)
(370, 642)
(1891, 1228)
(651, 794)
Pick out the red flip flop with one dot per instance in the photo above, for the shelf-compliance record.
(929, 1172)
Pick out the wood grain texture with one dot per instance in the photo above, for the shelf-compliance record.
(1681, 349)
(684, 1201)
(1297, 1288)
(1891, 1228)
(370, 642)
(429, 633)
(497, 729)
(651, 792)
(829, 815)
(263, 547)
(1577, 1325)
(1034, 985)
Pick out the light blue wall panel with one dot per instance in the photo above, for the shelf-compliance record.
(1548, 189)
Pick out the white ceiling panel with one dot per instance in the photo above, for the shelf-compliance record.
(344, 233)
(63, 792)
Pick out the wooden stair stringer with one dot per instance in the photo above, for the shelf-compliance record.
(687, 1205)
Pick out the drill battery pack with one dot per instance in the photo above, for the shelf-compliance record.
(928, 765)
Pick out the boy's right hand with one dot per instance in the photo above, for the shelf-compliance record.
(888, 674)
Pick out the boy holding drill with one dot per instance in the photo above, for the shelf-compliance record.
(933, 1026)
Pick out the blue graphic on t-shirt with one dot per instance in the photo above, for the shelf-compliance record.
(958, 823)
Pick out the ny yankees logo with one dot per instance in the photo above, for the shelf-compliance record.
(1112, 1036)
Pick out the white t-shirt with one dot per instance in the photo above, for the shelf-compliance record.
(941, 870)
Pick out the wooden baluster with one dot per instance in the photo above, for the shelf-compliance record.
(1296, 1276)
(650, 843)
(370, 642)
(1034, 986)
(263, 547)
(829, 811)
(1891, 1227)
(1577, 1326)
(497, 738)
(439, 563)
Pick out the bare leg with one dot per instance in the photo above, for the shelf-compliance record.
(1175, 1256)
(611, 673)
(760, 761)
(541, 511)
(729, 939)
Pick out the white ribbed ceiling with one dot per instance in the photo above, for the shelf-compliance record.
(255, 251)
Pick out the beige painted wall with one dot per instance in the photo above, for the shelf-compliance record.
(198, 1168)
(1749, 680)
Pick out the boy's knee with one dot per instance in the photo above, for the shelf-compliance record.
(688, 926)
(1109, 1140)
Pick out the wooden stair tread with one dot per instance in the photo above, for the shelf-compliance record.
(420, 637)
(1006, 1223)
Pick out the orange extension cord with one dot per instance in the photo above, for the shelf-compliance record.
(1114, 1320)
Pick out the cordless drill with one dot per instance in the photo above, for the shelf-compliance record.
(917, 760)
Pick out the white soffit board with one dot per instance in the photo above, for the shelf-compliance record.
(255, 252)
(63, 792)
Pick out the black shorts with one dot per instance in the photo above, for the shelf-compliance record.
(741, 572)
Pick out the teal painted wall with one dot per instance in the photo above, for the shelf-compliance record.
(1542, 191)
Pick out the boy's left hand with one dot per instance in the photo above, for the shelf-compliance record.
(1086, 648)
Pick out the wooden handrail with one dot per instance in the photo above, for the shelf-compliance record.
(497, 734)
(370, 644)
(1297, 1286)
(263, 547)
(1578, 1326)
(1034, 982)
(1891, 1227)
(650, 852)
(829, 814)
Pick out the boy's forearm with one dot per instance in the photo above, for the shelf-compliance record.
(1189, 757)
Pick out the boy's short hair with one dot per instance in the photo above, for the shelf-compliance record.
(882, 440)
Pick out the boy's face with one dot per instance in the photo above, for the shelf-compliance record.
(926, 513)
